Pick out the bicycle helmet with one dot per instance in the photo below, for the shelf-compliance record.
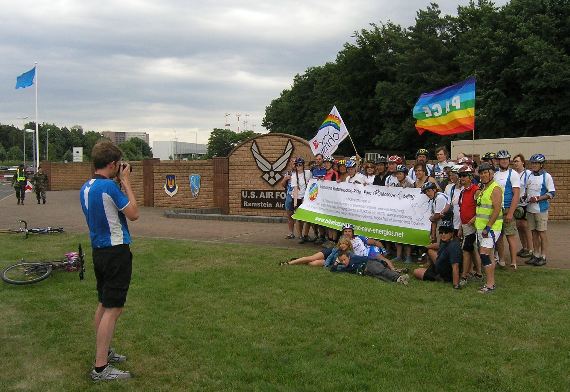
(488, 156)
(350, 163)
(465, 169)
(328, 159)
(422, 151)
(381, 159)
(465, 161)
(537, 158)
(456, 168)
(342, 162)
(486, 166)
(395, 159)
(299, 160)
(348, 226)
(503, 154)
(428, 185)
(402, 169)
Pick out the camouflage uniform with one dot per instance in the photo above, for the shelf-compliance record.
(40, 183)
(19, 182)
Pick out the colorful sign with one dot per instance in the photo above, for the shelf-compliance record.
(194, 184)
(170, 186)
(447, 111)
(387, 213)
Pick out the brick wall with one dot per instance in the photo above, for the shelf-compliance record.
(245, 175)
(182, 170)
(67, 176)
(560, 171)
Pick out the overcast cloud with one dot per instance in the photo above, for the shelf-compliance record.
(159, 66)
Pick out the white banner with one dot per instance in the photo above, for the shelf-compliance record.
(390, 213)
(330, 134)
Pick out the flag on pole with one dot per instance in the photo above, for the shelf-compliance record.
(26, 79)
(331, 132)
(447, 111)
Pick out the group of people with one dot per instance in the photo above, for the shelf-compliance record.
(39, 184)
(474, 208)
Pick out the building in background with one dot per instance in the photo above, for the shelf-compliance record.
(165, 150)
(121, 137)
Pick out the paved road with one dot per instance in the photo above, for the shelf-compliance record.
(5, 190)
(63, 209)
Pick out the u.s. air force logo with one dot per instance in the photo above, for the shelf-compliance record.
(272, 171)
(170, 186)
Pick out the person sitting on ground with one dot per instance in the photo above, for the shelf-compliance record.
(325, 257)
(445, 261)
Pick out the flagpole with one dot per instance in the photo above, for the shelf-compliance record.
(37, 126)
(350, 137)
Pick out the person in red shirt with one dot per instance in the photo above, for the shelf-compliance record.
(467, 231)
(331, 174)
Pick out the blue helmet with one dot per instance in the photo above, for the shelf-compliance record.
(350, 163)
(503, 154)
(299, 161)
(537, 158)
(402, 169)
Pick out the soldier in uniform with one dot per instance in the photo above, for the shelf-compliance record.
(19, 182)
(40, 183)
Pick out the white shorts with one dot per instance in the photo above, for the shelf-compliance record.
(489, 241)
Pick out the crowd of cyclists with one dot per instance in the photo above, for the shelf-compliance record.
(482, 215)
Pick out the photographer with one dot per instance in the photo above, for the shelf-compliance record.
(106, 211)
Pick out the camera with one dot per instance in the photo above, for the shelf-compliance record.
(124, 165)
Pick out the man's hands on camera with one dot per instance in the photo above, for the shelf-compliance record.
(124, 171)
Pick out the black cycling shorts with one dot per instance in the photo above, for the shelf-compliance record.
(468, 243)
(113, 269)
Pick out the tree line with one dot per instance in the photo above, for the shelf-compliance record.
(519, 54)
(61, 142)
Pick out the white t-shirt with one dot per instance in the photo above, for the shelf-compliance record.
(412, 172)
(455, 203)
(539, 185)
(359, 247)
(501, 178)
(358, 177)
(297, 178)
(369, 179)
(438, 204)
(523, 176)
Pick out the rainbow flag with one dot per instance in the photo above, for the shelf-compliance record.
(329, 135)
(447, 111)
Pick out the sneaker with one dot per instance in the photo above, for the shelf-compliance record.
(487, 289)
(526, 254)
(290, 236)
(403, 279)
(110, 373)
(463, 282)
(303, 239)
(540, 261)
(475, 277)
(115, 357)
(531, 260)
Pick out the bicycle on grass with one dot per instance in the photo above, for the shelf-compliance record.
(28, 272)
(34, 230)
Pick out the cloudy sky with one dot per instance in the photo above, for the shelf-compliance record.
(172, 67)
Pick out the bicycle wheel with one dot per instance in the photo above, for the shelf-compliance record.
(26, 273)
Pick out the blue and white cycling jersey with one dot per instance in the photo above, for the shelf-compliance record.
(539, 185)
(102, 203)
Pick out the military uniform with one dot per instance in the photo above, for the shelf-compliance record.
(40, 183)
(19, 182)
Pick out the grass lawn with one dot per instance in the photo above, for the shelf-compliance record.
(210, 317)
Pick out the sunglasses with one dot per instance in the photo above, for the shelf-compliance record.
(298, 164)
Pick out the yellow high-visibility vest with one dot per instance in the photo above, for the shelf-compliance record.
(485, 209)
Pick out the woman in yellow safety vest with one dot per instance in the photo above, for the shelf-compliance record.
(488, 222)
(19, 182)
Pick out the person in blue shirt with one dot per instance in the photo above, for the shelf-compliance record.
(106, 209)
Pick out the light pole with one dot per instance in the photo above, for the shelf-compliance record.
(24, 118)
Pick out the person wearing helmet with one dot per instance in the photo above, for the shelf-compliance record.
(525, 235)
(439, 206)
(422, 176)
(509, 181)
(381, 173)
(299, 180)
(489, 157)
(452, 191)
(421, 157)
(445, 260)
(393, 162)
(354, 176)
(330, 174)
(467, 231)
(342, 171)
(540, 191)
(439, 173)
(488, 222)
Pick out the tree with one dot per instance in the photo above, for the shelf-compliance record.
(2, 153)
(14, 154)
(135, 149)
(222, 141)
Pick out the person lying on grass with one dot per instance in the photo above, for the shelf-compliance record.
(325, 257)
(363, 266)
(445, 261)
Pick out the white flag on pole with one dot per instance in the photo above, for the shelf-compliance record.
(330, 134)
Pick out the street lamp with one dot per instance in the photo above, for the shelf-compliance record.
(32, 131)
(24, 118)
